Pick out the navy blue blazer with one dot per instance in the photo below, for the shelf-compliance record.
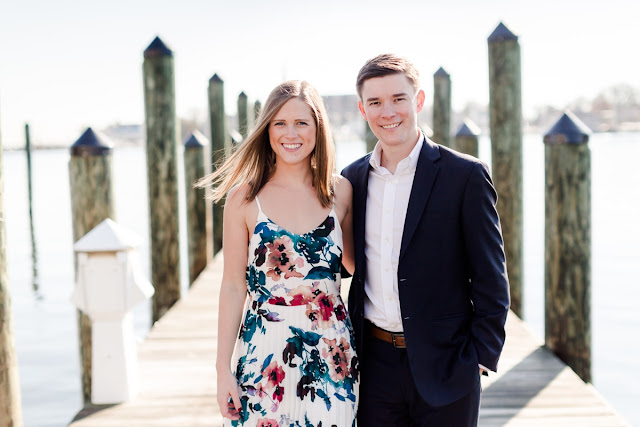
(452, 276)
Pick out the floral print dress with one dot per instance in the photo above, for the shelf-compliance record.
(296, 360)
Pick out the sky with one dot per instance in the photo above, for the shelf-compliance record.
(67, 65)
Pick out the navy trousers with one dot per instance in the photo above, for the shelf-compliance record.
(388, 395)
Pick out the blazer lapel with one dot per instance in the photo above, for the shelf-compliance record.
(425, 176)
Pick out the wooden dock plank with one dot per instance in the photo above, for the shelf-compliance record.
(178, 378)
(177, 366)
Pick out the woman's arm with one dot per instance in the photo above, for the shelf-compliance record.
(233, 292)
(344, 200)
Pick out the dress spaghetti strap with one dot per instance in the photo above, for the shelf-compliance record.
(259, 207)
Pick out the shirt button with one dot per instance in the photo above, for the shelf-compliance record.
(387, 269)
(388, 298)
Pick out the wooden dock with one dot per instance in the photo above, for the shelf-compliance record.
(178, 378)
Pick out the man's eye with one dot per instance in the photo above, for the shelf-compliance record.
(400, 99)
(374, 103)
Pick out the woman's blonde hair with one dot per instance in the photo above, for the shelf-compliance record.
(253, 162)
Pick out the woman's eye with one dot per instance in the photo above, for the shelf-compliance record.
(302, 123)
(278, 124)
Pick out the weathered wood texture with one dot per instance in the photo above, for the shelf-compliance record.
(506, 149)
(197, 217)
(442, 108)
(532, 387)
(162, 175)
(568, 248)
(466, 140)
(257, 108)
(243, 115)
(92, 201)
(369, 138)
(10, 403)
(220, 146)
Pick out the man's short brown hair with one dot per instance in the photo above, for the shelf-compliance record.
(385, 65)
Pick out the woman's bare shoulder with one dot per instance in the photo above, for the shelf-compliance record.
(343, 188)
(238, 204)
(343, 193)
(237, 196)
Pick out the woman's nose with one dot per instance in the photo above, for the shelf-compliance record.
(292, 132)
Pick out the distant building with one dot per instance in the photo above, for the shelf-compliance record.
(130, 134)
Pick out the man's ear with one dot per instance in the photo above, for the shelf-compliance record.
(420, 98)
(361, 108)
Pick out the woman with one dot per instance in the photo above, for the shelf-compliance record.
(295, 361)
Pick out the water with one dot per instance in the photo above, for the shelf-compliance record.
(45, 320)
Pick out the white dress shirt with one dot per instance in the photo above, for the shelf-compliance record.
(387, 201)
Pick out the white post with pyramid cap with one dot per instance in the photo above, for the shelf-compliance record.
(109, 284)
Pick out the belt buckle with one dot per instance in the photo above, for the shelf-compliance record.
(393, 341)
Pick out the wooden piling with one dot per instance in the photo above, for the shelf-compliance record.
(220, 146)
(10, 402)
(506, 149)
(34, 253)
(91, 185)
(442, 107)
(257, 107)
(369, 138)
(29, 174)
(243, 115)
(197, 218)
(162, 175)
(568, 243)
(466, 140)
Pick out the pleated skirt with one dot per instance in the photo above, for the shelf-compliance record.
(296, 366)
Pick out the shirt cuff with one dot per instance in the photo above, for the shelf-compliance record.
(485, 370)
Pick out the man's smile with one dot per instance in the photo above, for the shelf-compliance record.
(394, 125)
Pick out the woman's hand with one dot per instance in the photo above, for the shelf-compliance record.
(228, 396)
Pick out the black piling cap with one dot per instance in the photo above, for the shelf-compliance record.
(468, 128)
(568, 130)
(89, 145)
(502, 33)
(441, 73)
(157, 48)
(196, 140)
(242, 95)
(215, 79)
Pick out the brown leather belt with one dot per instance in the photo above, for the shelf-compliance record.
(397, 339)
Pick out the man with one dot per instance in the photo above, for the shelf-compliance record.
(429, 297)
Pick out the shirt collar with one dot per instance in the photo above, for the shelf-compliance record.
(406, 165)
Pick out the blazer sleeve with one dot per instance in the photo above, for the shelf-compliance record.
(343, 271)
(487, 266)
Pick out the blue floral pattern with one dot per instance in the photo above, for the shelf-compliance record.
(296, 360)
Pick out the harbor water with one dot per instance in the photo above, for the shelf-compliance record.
(41, 270)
